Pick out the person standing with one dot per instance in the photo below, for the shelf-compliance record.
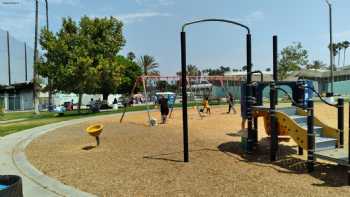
(230, 101)
(164, 108)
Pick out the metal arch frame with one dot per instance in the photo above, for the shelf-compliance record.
(248, 100)
(215, 20)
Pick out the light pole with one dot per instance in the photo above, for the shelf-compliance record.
(331, 46)
(47, 28)
(36, 59)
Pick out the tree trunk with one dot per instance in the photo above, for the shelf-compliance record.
(105, 96)
(79, 102)
(344, 58)
(50, 93)
(339, 59)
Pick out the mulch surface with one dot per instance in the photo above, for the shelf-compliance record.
(136, 160)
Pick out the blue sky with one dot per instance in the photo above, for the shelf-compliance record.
(153, 27)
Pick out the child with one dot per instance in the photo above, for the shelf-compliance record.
(230, 101)
(164, 108)
(206, 105)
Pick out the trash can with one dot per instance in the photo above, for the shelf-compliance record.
(11, 186)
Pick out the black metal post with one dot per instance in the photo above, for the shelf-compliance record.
(8, 56)
(25, 62)
(300, 151)
(184, 96)
(249, 95)
(275, 57)
(273, 125)
(275, 62)
(341, 121)
(299, 97)
(255, 128)
(310, 136)
(349, 148)
(273, 102)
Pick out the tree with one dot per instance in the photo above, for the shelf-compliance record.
(244, 68)
(293, 57)
(346, 45)
(131, 56)
(192, 70)
(336, 51)
(81, 57)
(339, 47)
(148, 64)
(268, 69)
(317, 64)
(219, 71)
(129, 72)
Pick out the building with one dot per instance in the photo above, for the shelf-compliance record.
(16, 64)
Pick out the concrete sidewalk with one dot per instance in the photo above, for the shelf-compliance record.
(13, 161)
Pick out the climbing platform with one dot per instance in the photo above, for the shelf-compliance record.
(339, 156)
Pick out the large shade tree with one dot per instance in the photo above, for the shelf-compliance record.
(81, 57)
(293, 57)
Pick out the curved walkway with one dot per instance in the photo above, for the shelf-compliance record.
(13, 161)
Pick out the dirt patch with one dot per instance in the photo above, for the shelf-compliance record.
(136, 160)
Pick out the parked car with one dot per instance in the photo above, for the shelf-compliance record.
(200, 85)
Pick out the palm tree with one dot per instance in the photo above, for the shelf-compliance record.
(335, 51)
(339, 47)
(192, 70)
(346, 45)
(131, 56)
(148, 64)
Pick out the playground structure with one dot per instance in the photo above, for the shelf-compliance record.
(297, 121)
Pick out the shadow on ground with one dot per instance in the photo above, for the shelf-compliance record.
(87, 148)
(288, 162)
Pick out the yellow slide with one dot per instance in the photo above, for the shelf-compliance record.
(293, 122)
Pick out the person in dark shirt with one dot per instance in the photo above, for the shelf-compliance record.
(164, 108)
(230, 101)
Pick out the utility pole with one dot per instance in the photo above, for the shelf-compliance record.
(36, 60)
(331, 46)
(49, 79)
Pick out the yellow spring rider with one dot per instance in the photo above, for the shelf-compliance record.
(95, 131)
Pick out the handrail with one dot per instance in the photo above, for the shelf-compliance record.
(322, 99)
(290, 98)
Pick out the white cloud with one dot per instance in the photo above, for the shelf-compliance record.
(140, 16)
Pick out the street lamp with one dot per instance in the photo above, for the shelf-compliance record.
(331, 46)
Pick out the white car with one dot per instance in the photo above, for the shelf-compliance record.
(200, 85)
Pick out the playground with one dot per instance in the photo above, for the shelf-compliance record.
(134, 159)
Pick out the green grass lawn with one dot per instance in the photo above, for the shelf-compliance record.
(31, 120)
